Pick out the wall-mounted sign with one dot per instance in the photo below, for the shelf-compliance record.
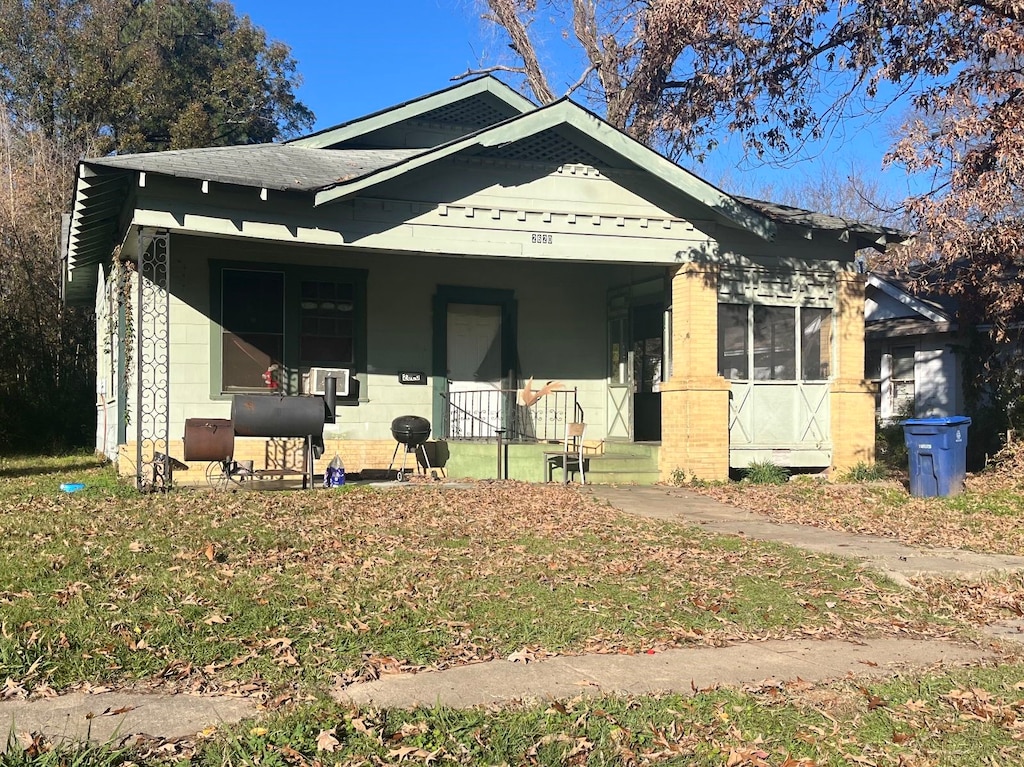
(415, 378)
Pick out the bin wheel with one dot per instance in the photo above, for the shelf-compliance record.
(401, 476)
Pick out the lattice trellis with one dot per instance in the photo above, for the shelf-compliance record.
(153, 352)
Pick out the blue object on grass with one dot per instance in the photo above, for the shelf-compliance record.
(72, 487)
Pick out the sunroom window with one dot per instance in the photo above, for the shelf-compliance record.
(774, 343)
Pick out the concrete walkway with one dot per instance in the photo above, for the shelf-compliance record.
(887, 555)
(677, 670)
(116, 717)
(121, 716)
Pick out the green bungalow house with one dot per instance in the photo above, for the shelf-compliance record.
(438, 258)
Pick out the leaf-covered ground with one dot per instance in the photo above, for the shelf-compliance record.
(293, 590)
(985, 517)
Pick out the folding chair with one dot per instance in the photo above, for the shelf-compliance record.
(570, 458)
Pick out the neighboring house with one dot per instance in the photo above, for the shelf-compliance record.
(911, 354)
(442, 252)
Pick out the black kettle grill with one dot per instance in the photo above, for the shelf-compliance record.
(410, 431)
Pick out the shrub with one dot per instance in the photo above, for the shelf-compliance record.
(765, 473)
(678, 477)
(863, 471)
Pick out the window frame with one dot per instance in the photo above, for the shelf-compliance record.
(294, 276)
(797, 346)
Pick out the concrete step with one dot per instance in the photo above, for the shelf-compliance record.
(644, 449)
(624, 468)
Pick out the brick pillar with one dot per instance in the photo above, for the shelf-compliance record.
(695, 400)
(852, 400)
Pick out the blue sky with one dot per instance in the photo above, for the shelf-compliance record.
(359, 56)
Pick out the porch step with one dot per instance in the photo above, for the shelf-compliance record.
(615, 468)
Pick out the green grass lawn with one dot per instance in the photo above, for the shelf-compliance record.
(284, 594)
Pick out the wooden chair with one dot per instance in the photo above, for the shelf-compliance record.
(570, 458)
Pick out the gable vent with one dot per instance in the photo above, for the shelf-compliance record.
(471, 113)
(546, 147)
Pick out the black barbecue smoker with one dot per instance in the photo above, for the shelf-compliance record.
(261, 415)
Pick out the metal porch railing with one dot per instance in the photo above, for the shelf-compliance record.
(480, 414)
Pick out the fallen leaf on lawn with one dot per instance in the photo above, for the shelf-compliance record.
(407, 751)
(210, 552)
(214, 618)
(327, 741)
(359, 725)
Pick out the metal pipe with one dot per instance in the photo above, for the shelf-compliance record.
(330, 399)
(499, 432)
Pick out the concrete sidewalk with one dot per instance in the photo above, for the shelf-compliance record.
(116, 717)
(887, 555)
(676, 671)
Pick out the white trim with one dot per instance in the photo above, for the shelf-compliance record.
(906, 299)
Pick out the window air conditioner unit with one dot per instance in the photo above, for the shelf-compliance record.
(313, 381)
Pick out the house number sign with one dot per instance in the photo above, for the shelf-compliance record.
(412, 378)
(538, 238)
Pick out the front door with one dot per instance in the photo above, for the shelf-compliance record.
(647, 333)
(474, 343)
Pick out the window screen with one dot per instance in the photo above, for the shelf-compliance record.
(732, 341)
(774, 343)
(815, 343)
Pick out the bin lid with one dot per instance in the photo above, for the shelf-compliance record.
(953, 420)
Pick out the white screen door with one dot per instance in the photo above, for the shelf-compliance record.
(474, 369)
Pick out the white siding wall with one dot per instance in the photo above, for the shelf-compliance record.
(108, 382)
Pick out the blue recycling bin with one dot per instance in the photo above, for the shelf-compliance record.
(937, 452)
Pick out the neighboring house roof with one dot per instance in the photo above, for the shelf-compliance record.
(929, 314)
(935, 308)
(895, 327)
(867, 235)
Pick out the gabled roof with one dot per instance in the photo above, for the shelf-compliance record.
(470, 106)
(928, 308)
(331, 165)
(604, 144)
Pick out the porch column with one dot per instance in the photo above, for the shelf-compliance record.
(852, 401)
(695, 400)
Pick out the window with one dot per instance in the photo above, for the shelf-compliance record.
(278, 322)
(901, 379)
(774, 343)
(327, 318)
(873, 374)
(762, 343)
(815, 344)
(252, 327)
(732, 341)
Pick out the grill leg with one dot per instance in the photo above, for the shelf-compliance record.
(392, 464)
